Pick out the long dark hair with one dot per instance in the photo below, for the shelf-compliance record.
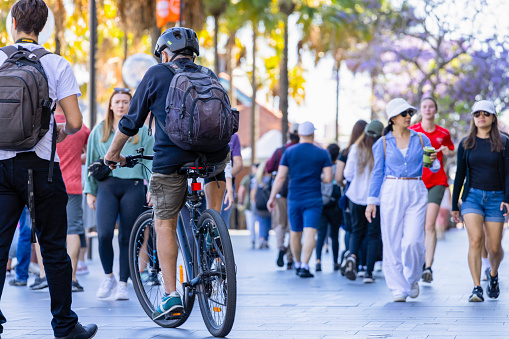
(389, 127)
(495, 138)
(357, 131)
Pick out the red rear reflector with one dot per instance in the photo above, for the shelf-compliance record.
(196, 187)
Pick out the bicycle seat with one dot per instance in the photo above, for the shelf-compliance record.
(202, 170)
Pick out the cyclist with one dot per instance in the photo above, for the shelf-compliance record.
(167, 188)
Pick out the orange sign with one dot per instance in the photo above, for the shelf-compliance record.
(167, 11)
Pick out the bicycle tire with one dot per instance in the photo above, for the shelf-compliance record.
(148, 284)
(216, 249)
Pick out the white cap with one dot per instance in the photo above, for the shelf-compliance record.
(397, 106)
(306, 128)
(484, 105)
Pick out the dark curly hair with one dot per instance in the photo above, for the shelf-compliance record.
(30, 15)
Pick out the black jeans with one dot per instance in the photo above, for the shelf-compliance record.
(362, 229)
(331, 216)
(51, 229)
(123, 199)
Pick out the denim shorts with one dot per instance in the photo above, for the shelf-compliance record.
(485, 203)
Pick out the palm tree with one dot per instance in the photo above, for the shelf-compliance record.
(255, 12)
(216, 8)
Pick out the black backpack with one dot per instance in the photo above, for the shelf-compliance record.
(198, 113)
(25, 105)
(262, 195)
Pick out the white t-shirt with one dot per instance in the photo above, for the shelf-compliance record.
(62, 83)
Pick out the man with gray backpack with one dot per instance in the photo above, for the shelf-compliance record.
(31, 81)
(193, 120)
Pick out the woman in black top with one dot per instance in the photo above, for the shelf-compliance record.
(484, 164)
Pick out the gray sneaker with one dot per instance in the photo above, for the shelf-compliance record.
(39, 283)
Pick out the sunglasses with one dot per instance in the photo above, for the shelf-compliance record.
(123, 90)
(478, 114)
(409, 112)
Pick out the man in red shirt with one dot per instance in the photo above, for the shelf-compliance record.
(436, 183)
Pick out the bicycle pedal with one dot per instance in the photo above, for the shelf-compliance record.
(175, 315)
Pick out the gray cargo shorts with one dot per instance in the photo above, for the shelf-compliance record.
(168, 192)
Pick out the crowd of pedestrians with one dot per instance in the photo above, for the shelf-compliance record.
(385, 189)
(390, 195)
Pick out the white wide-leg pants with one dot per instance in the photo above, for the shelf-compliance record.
(402, 211)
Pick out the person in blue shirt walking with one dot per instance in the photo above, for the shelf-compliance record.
(308, 166)
(397, 186)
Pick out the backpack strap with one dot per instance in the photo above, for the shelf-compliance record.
(420, 138)
(207, 71)
(173, 67)
(9, 50)
(40, 52)
(53, 148)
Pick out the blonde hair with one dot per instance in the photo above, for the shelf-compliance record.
(365, 152)
(260, 172)
(108, 120)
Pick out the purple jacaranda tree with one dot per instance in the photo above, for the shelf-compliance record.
(414, 55)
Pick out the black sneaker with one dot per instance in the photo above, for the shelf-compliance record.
(427, 275)
(351, 268)
(39, 283)
(304, 273)
(81, 332)
(343, 262)
(368, 278)
(493, 289)
(297, 271)
(476, 295)
(280, 258)
(289, 265)
(337, 267)
(76, 287)
(318, 267)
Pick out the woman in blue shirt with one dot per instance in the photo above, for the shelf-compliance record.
(397, 186)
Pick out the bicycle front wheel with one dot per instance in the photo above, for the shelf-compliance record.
(217, 293)
(146, 272)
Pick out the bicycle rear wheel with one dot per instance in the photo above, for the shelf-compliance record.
(217, 293)
(146, 273)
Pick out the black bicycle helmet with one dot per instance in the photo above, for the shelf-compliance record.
(179, 40)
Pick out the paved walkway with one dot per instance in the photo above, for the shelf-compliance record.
(275, 303)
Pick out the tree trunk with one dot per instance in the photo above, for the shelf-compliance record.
(216, 52)
(59, 25)
(284, 84)
(338, 66)
(230, 65)
(253, 99)
(91, 90)
(154, 34)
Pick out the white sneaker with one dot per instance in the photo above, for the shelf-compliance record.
(122, 292)
(378, 266)
(399, 298)
(34, 268)
(108, 284)
(414, 293)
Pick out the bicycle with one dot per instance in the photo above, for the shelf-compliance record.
(205, 263)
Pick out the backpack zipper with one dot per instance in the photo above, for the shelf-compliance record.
(35, 81)
(26, 85)
(10, 101)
